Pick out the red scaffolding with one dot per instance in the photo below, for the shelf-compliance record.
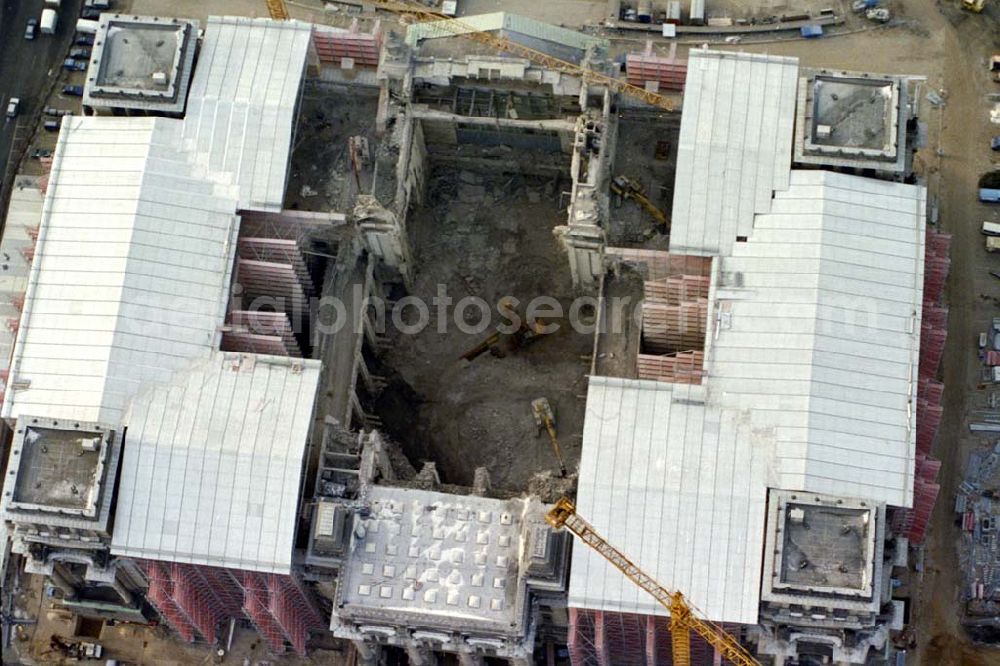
(912, 523)
(273, 287)
(194, 600)
(602, 638)
(333, 45)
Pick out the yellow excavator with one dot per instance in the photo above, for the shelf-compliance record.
(546, 418)
(683, 617)
(627, 188)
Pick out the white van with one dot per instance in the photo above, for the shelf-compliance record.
(991, 228)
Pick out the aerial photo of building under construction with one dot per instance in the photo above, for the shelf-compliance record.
(589, 332)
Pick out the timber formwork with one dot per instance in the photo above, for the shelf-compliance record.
(195, 600)
(603, 638)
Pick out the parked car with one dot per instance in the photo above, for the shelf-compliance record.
(13, 106)
(51, 125)
(102, 5)
(83, 39)
(995, 143)
(80, 52)
(57, 113)
(90, 13)
(31, 29)
(74, 65)
(39, 153)
(74, 91)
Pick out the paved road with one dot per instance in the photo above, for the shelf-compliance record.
(26, 67)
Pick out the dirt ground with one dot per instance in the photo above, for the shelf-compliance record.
(646, 152)
(133, 643)
(489, 237)
(321, 178)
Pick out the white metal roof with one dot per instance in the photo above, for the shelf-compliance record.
(241, 109)
(130, 274)
(671, 482)
(734, 148)
(823, 333)
(213, 463)
(811, 366)
(23, 214)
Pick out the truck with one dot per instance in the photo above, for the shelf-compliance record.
(990, 228)
(992, 243)
(49, 21)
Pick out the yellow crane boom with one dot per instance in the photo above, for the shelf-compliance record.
(462, 29)
(277, 10)
(683, 619)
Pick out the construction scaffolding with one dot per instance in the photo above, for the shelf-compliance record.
(645, 70)
(195, 600)
(602, 638)
(347, 48)
(274, 281)
(912, 523)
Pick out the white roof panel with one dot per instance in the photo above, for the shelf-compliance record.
(241, 109)
(668, 479)
(734, 147)
(130, 274)
(810, 385)
(213, 462)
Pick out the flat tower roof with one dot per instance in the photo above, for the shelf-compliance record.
(823, 546)
(61, 473)
(141, 62)
(852, 120)
(58, 468)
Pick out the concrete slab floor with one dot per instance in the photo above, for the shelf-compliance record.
(486, 237)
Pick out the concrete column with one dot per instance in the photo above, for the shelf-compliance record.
(125, 595)
(470, 659)
(420, 655)
(356, 409)
(600, 644)
(372, 382)
(651, 622)
(369, 329)
(58, 580)
(367, 654)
